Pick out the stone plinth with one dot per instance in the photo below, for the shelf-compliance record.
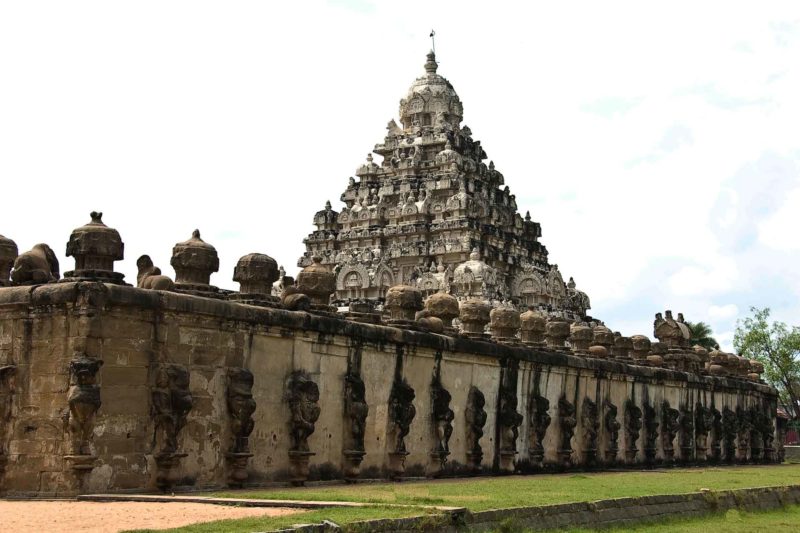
(532, 327)
(95, 247)
(445, 307)
(318, 283)
(403, 302)
(256, 273)
(194, 261)
(504, 323)
(474, 315)
(556, 333)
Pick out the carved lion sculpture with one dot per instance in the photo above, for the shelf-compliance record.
(39, 265)
(149, 276)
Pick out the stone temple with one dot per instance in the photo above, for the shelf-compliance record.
(177, 384)
(434, 215)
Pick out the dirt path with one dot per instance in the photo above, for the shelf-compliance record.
(95, 517)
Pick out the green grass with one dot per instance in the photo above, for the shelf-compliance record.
(480, 494)
(779, 521)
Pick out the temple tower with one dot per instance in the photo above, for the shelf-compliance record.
(432, 212)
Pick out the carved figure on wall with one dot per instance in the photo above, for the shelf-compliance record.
(475, 417)
(669, 428)
(715, 439)
(566, 423)
(7, 387)
(612, 427)
(633, 425)
(442, 417)
(84, 401)
(241, 407)
(302, 395)
(540, 421)
(767, 434)
(508, 417)
(756, 441)
(651, 432)
(686, 433)
(703, 422)
(356, 411)
(729, 428)
(401, 414)
(149, 276)
(39, 265)
(743, 429)
(591, 427)
(171, 403)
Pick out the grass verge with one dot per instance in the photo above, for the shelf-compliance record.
(733, 521)
(480, 494)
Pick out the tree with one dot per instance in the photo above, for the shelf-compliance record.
(701, 334)
(778, 347)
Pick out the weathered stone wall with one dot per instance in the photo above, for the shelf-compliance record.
(137, 332)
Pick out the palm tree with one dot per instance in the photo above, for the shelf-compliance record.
(701, 334)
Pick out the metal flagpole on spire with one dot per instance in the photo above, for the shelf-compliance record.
(433, 41)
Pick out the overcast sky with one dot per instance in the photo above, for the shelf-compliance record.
(659, 147)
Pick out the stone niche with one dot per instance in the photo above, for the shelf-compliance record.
(237, 412)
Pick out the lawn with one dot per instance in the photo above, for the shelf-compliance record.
(779, 521)
(479, 494)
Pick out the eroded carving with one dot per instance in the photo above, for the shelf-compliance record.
(356, 411)
(508, 417)
(241, 407)
(442, 417)
(633, 425)
(84, 401)
(171, 403)
(150, 277)
(590, 422)
(475, 417)
(302, 395)
(566, 423)
(7, 388)
(650, 431)
(540, 421)
(38, 265)
(612, 427)
(669, 428)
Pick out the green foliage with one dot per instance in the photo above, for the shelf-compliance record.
(701, 334)
(778, 347)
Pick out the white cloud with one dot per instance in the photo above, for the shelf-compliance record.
(243, 119)
(721, 312)
(780, 230)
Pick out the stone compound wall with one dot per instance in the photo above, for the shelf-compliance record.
(151, 429)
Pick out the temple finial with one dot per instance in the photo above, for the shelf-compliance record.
(430, 64)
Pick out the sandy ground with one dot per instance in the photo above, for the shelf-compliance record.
(96, 517)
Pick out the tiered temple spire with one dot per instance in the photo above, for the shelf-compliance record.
(433, 200)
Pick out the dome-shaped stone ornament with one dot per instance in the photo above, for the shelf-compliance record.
(318, 283)
(598, 352)
(698, 360)
(602, 336)
(95, 247)
(756, 369)
(194, 261)
(532, 328)
(8, 253)
(556, 333)
(580, 337)
(255, 273)
(622, 349)
(716, 363)
(640, 350)
(403, 302)
(444, 307)
(657, 352)
(474, 315)
(504, 323)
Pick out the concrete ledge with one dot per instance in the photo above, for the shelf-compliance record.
(598, 514)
